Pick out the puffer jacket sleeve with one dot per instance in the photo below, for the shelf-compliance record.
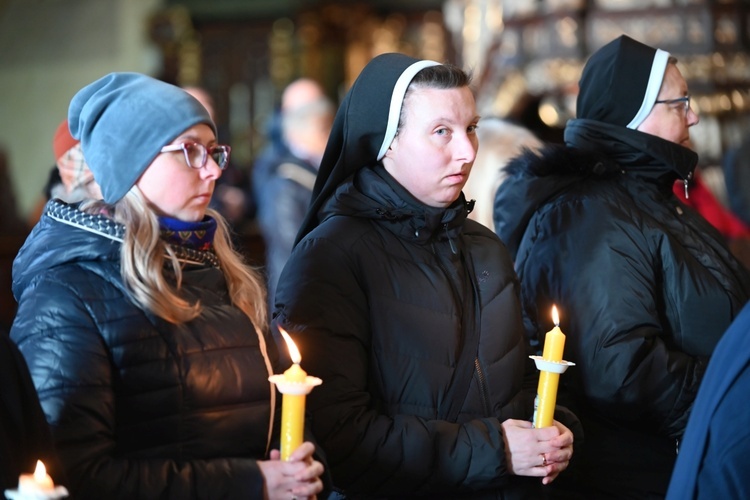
(601, 273)
(72, 371)
(323, 305)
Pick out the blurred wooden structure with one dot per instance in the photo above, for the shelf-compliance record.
(526, 55)
(245, 53)
(536, 49)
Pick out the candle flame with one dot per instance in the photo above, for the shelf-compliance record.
(555, 316)
(40, 472)
(293, 351)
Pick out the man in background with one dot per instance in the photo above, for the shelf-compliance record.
(284, 189)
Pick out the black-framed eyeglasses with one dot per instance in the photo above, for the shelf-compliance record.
(196, 154)
(685, 99)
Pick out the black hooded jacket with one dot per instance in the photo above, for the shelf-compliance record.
(410, 315)
(645, 285)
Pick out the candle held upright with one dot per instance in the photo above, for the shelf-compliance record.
(294, 384)
(550, 365)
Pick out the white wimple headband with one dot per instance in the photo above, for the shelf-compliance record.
(397, 99)
(658, 67)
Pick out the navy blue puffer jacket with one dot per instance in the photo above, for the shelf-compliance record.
(139, 408)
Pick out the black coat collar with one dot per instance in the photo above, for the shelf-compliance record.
(373, 193)
(633, 151)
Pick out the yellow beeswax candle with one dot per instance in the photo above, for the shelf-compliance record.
(292, 413)
(294, 384)
(292, 402)
(554, 344)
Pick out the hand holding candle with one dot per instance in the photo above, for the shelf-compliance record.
(294, 384)
(551, 365)
(37, 486)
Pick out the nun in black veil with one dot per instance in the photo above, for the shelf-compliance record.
(408, 310)
(648, 285)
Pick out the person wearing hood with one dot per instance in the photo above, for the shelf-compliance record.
(407, 310)
(144, 332)
(646, 284)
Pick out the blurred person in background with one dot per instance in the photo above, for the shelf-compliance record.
(499, 141)
(298, 93)
(306, 121)
(11, 220)
(15, 230)
(70, 179)
(230, 197)
(736, 167)
(76, 179)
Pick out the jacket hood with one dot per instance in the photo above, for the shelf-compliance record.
(65, 235)
(372, 193)
(594, 150)
(534, 178)
(636, 152)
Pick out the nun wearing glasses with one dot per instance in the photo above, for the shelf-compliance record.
(144, 331)
(647, 286)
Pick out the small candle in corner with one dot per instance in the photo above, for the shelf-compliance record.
(39, 481)
(37, 486)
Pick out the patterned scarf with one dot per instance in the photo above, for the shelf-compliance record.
(75, 173)
(196, 235)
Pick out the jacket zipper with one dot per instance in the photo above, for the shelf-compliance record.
(452, 244)
(482, 387)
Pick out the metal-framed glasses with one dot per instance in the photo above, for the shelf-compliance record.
(196, 154)
(685, 100)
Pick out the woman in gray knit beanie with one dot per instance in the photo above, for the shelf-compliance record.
(144, 331)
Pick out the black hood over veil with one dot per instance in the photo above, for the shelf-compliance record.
(359, 128)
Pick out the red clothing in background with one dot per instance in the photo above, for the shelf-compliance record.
(706, 204)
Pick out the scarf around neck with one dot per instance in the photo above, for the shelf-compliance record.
(196, 235)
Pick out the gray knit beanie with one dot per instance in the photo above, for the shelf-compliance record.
(123, 120)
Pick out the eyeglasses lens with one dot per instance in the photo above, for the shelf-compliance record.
(195, 154)
(220, 155)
